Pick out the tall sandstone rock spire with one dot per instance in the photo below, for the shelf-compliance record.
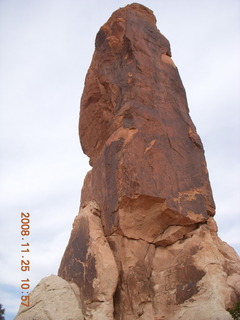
(144, 244)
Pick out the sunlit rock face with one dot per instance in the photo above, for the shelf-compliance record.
(144, 244)
(52, 299)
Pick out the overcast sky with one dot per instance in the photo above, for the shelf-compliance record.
(46, 48)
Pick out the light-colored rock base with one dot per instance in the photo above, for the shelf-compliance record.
(52, 299)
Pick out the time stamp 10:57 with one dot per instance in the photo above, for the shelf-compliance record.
(25, 262)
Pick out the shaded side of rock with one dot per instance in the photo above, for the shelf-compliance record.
(90, 263)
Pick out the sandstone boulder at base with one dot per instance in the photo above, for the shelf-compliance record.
(52, 299)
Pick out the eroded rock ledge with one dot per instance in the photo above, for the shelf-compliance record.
(144, 244)
(193, 272)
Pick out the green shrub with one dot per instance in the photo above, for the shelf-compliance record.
(235, 312)
(2, 311)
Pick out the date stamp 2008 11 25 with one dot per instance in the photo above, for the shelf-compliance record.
(25, 264)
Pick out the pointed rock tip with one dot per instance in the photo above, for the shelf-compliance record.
(140, 9)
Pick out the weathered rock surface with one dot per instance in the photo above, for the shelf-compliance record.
(144, 244)
(148, 197)
(52, 299)
(135, 126)
(91, 264)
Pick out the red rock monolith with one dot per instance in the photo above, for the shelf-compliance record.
(144, 244)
